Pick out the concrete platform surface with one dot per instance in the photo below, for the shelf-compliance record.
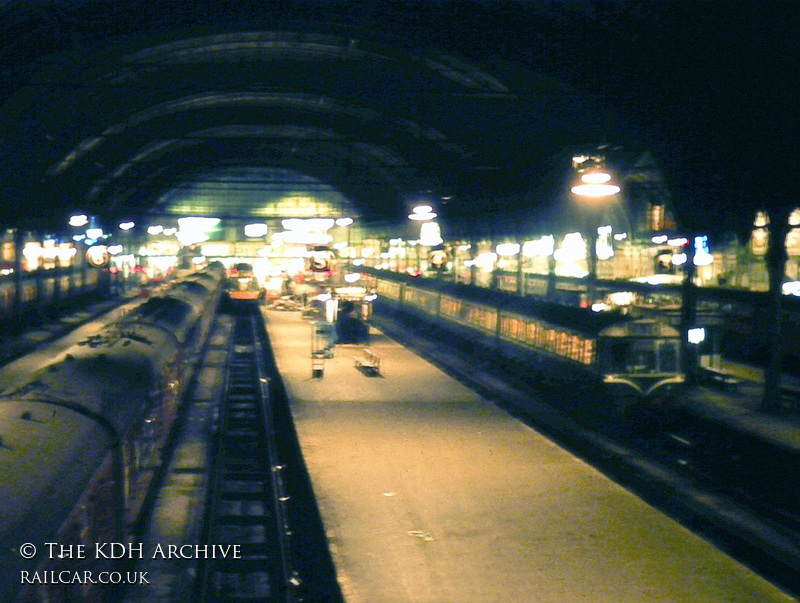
(430, 494)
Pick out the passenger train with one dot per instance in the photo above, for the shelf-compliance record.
(243, 285)
(43, 288)
(81, 438)
(635, 361)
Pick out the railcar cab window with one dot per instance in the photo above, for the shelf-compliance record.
(642, 356)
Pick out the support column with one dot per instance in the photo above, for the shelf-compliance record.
(18, 245)
(689, 317)
(551, 272)
(591, 289)
(776, 266)
(473, 253)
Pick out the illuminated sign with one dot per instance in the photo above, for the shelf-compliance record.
(438, 258)
(98, 256)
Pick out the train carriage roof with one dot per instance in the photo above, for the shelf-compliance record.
(48, 456)
(573, 318)
(192, 287)
(167, 312)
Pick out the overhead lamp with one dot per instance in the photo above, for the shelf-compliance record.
(308, 224)
(596, 178)
(507, 249)
(595, 181)
(126, 225)
(422, 213)
(258, 229)
(595, 190)
(198, 223)
(78, 220)
(430, 234)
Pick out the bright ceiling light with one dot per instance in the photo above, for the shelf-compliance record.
(430, 234)
(507, 249)
(258, 229)
(595, 190)
(79, 220)
(421, 216)
(200, 224)
(596, 178)
(308, 225)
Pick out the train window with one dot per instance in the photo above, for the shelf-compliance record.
(532, 332)
(642, 357)
(516, 329)
(588, 351)
(551, 340)
(450, 307)
(668, 356)
(576, 352)
(621, 357)
(563, 344)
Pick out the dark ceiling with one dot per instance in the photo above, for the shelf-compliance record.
(110, 104)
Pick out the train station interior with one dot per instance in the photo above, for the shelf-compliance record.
(565, 238)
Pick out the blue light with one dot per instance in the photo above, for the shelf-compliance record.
(701, 244)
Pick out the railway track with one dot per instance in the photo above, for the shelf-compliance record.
(246, 529)
(757, 474)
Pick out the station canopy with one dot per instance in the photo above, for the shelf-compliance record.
(126, 109)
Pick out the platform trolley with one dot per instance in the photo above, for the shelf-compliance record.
(322, 333)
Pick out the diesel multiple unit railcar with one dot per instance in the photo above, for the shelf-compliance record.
(242, 284)
(635, 361)
(81, 439)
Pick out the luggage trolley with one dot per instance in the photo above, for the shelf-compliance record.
(322, 333)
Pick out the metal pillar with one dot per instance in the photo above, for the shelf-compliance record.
(776, 265)
(688, 317)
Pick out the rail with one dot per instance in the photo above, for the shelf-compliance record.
(246, 518)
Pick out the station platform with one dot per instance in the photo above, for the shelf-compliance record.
(431, 494)
(740, 407)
